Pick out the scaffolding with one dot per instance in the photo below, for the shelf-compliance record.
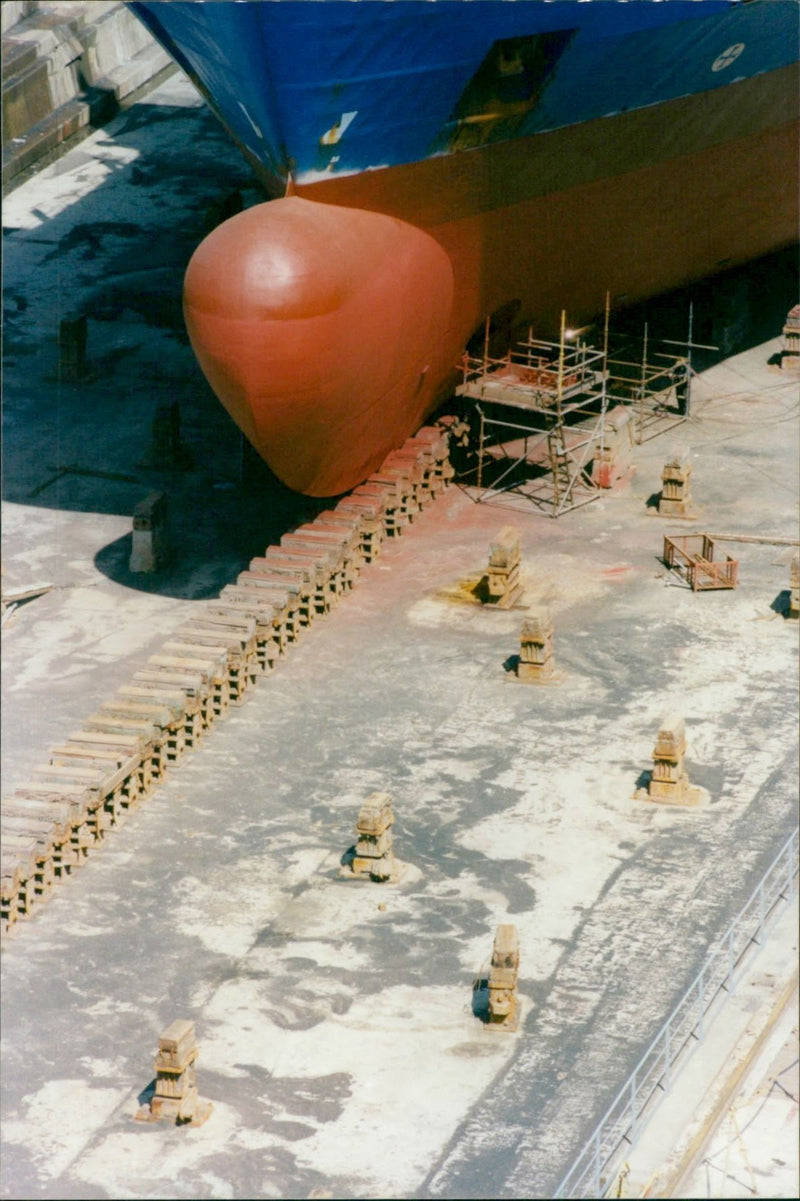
(538, 424)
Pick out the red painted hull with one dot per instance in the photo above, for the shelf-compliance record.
(325, 333)
(330, 329)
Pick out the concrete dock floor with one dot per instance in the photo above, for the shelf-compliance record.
(337, 1039)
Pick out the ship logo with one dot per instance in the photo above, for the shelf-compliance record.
(727, 57)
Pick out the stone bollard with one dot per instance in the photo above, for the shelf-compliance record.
(794, 587)
(503, 979)
(669, 782)
(502, 579)
(176, 1086)
(374, 853)
(614, 458)
(536, 661)
(150, 546)
(72, 349)
(676, 496)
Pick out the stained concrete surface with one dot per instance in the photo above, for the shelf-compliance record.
(337, 1038)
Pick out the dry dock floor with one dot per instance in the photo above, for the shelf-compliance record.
(337, 1039)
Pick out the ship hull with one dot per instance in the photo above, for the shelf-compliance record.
(634, 166)
(632, 205)
(629, 233)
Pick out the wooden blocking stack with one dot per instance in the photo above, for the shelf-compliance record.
(48, 819)
(148, 737)
(27, 868)
(503, 973)
(344, 532)
(212, 662)
(614, 458)
(184, 696)
(275, 612)
(150, 545)
(175, 1098)
(370, 512)
(676, 496)
(410, 463)
(277, 579)
(203, 670)
(238, 634)
(96, 789)
(18, 863)
(794, 587)
(311, 570)
(326, 559)
(124, 763)
(669, 781)
(536, 660)
(440, 470)
(502, 585)
(396, 495)
(402, 472)
(234, 639)
(374, 854)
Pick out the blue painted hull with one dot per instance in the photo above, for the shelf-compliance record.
(324, 89)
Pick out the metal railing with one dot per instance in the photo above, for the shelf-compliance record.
(595, 1167)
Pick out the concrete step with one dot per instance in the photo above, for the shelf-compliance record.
(68, 65)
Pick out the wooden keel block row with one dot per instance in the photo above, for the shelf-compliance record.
(272, 609)
(342, 558)
(214, 661)
(346, 536)
(350, 528)
(388, 490)
(277, 580)
(313, 567)
(178, 718)
(98, 742)
(410, 466)
(433, 483)
(405, 507)
(169, 728)
(437, 440)
(421, 452)
(31, 845)
(320, 564)
(270, 632)
(436, 437)
(185, 672)
(19, 832)
(17, 882)
(238, 637)
(105, 783)
(55, 815)
(149, 737)
(84, 832)
(371, 513)
(129, 792)
(186, 719)
(11, 881)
